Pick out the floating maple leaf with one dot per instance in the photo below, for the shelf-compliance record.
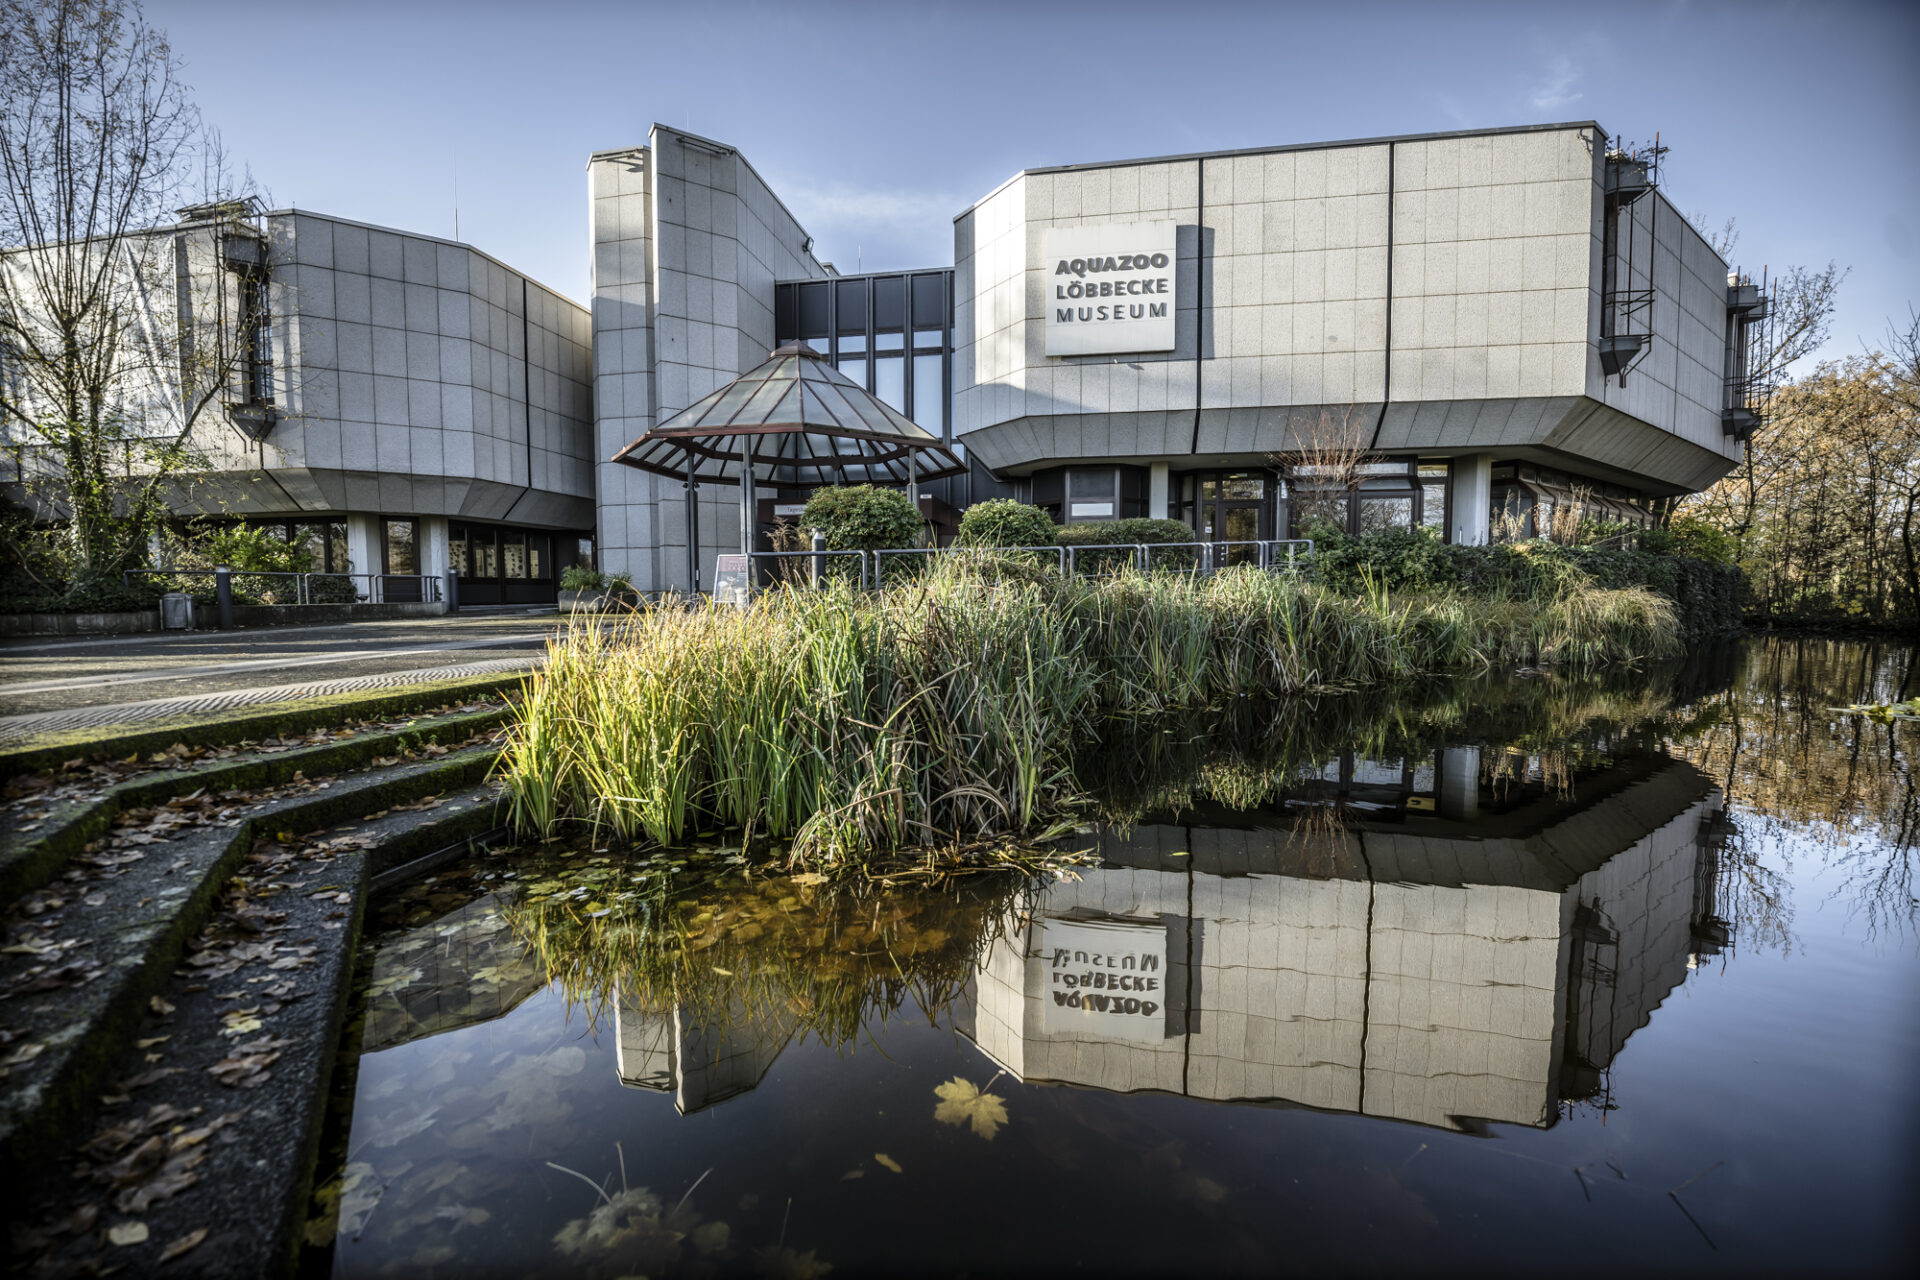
(961, 1103)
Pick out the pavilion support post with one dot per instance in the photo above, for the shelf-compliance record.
(913, 480)
(746, 503)
(693, 528)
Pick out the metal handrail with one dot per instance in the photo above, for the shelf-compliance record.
(376, 591)
(789, 555)
(1066, 557)
(898, 551)
(1137, 548)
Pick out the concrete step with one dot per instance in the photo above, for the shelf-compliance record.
(31, 855)
(81, 976)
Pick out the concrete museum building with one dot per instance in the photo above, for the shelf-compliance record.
(1506, 321)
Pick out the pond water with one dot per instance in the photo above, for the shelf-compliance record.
(1502, 976)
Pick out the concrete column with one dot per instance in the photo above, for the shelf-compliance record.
(1157, 484)
(1471, 509)
(1460, 783)
(432, 550)
(363, 548)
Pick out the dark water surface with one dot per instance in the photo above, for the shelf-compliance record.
(1524, 976)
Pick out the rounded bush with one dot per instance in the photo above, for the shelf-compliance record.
(863, 517)
(1003, 522)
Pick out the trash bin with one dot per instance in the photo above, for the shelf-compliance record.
(176, 611)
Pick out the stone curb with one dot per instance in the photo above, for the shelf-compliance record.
(93, 1025)
(27, 864)
(266, 721)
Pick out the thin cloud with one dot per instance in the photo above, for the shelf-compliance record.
(1555, 88)
(874, 207)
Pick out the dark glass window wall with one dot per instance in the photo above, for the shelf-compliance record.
(890, 332)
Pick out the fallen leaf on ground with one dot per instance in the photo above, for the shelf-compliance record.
(126, 1233)
(183, 1244)
(888, 1161)
(961, 1103)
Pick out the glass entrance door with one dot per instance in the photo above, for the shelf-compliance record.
(1230, 507)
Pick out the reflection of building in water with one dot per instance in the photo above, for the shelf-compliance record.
(459, 969)
(700, 1059)
(1450, 955)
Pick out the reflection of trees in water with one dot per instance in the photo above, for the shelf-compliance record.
(733, 947)
(1802, 772)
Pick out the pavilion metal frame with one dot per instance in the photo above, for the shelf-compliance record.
(786, 418)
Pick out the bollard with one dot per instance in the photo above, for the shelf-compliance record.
(818, 560)
(452, 590)
(223, 596)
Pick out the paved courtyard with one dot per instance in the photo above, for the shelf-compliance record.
(50, 684)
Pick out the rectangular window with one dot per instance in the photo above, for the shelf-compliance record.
(930, 301)
(929, 393)
(402, 554)
(513, 554)
(486, 556)
(850, 306)
(583, 552)
(855, 367)
(814, 306)
(457, 549)
(1092, 483)
(786, 312)
(890, 381)
(1385, 513)
(539, 567)
(890, 303)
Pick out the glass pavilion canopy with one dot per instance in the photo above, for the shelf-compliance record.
(798, 421)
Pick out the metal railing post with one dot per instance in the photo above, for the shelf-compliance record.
(452, 590)
(223, 596)
(818, 562)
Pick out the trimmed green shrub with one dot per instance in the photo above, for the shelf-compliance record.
(863, 517)
(580, 577)
(1004, 522)
(1093, 533)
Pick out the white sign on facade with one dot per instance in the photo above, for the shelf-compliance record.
(1110, 288)
(1104, 978)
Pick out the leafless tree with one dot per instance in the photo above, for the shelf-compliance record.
(106, 363)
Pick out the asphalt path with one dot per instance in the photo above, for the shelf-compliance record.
(42, 674)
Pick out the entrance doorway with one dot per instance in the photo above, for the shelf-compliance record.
(499, 564)
(1229, 506)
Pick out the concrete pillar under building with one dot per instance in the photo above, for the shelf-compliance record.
(1460, 783)
(1158, 481)
(1472, 505)
(364, 548)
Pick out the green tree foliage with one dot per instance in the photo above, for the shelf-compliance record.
(1823, 514)
(1004, 522)
(863, 517)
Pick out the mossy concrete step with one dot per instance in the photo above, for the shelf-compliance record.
(30, 859)
(128, 934)
(270, 720)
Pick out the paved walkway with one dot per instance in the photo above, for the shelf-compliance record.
(62, 684)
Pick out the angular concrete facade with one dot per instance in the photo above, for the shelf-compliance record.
(1443, 974)
(687, 244)
(1441, 296)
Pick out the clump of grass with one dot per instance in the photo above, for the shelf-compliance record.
(953, 708)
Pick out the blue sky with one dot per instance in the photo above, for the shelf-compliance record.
(878, 122)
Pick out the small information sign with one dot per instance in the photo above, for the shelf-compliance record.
(732, 580)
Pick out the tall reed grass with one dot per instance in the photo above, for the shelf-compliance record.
(953, 708)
